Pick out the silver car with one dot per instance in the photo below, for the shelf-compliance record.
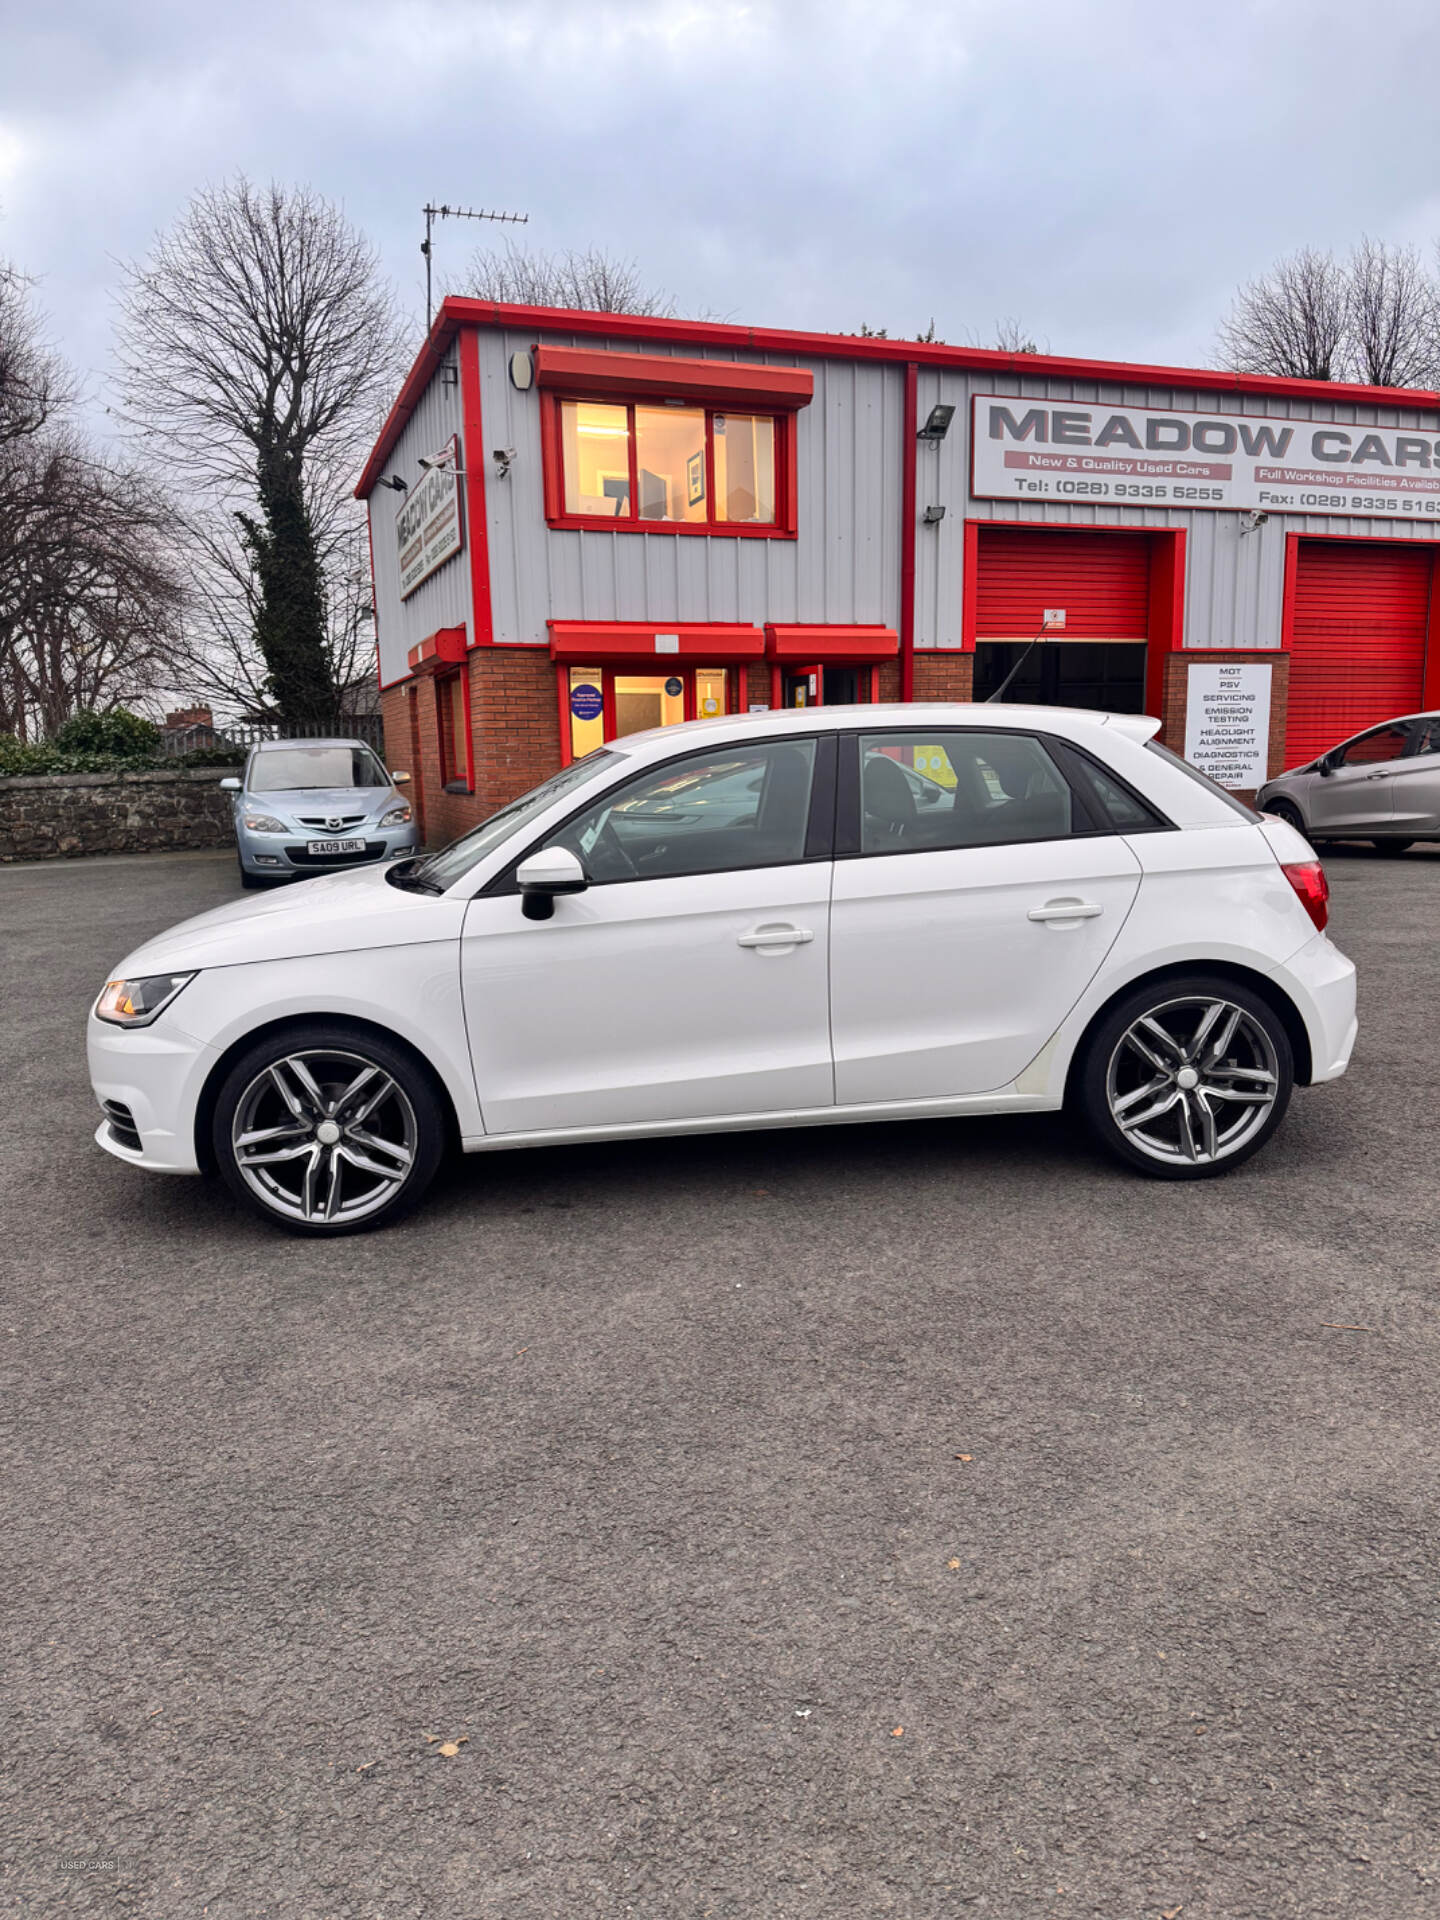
(309, 806)
(1382, 786)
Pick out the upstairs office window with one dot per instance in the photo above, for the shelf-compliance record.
(658, 465)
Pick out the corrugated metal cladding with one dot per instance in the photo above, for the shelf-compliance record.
(1234, 585)
(1358, 642)
(844, 566)
(444, 599)
(1103, 583)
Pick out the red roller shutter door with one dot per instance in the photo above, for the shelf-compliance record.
(1358, 640)
(1101, 579)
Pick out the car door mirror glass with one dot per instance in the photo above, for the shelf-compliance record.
(543, 876)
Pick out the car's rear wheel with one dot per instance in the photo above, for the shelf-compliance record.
(1392, 846)
(1287, 811)
(1187, 1077)
(324, 1130)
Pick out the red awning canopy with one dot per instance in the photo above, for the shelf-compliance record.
(710, 642)
(445, 648)
(642, 376)
(831, 643)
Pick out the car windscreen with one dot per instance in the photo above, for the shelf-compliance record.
(452, 863)
(284, 769)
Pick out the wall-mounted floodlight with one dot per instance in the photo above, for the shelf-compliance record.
(932, 516)
(399, 485)
(938, 424)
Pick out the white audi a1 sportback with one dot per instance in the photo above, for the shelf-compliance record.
(760, 921)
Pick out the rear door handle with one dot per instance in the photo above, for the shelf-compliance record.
(775, 937)
(1065, 910)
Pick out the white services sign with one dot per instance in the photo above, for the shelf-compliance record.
(1146, 456)
(1227, 721)
(428, 528)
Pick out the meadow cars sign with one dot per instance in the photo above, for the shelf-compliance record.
(428, 528)
(1146, 456)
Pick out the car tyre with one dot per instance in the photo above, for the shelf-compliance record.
(1186, 1077)
(1287, 811)
(325, 1129)
(1392, 846)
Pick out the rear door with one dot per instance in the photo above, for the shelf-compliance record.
(964, 928)
(1416, 790)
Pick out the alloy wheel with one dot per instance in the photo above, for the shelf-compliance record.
(1192, 1080)
(324, 1136)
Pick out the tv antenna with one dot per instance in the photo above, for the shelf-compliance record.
(432, 214)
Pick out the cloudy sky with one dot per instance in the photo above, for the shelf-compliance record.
(1105, 171)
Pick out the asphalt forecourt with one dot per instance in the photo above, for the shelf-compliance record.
(920, 1520)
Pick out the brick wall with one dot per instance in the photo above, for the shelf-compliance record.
(1173, 705)
(944, 676)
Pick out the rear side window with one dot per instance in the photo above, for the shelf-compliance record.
(1194, 773)
(937, 790)
(1426, 738)
(1113, 803)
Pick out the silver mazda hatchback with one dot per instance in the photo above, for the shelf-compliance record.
(1382, 786)
(309, 806)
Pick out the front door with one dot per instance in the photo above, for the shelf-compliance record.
(984, 898)
(1359, 791)
(691, 977)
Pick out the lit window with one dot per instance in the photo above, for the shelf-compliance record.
(597, 459)
(745, 467)
(684, 465)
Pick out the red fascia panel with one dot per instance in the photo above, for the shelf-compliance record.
(456, 312)
(831, 643)
(482, 628)
(638, 376)
(590, 642)
(445, 648)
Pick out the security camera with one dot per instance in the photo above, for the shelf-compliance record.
(502, 457)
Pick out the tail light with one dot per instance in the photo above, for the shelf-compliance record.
(1312, 889)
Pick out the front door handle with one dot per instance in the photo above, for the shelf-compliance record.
(1065, 910)
(775, 937)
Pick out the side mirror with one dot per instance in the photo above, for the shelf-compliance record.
(544, 875)
(230, 784)
(399, 779)
(1326, 765)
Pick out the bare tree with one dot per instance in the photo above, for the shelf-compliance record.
(89, 589)
(591, 280)
(259, 347)
(1294, 320)
(1392, 317)
(1012, 337)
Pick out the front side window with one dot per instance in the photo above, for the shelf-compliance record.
(1382, 743)
(452, 863)
(298, 768)
(668, 466)
(935, 790)
(717, 812)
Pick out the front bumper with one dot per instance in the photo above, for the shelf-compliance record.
(156, 1075)
(286, 856)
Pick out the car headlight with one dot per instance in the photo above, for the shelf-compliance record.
(135, 1003)
(264, 823)
(396, 817)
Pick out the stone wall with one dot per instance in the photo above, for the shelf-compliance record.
(63, 816)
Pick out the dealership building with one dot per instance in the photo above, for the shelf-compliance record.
(582, 525)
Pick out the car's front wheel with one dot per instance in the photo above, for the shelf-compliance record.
(325, 1129)
(1187, 1077)
(1287, 811)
